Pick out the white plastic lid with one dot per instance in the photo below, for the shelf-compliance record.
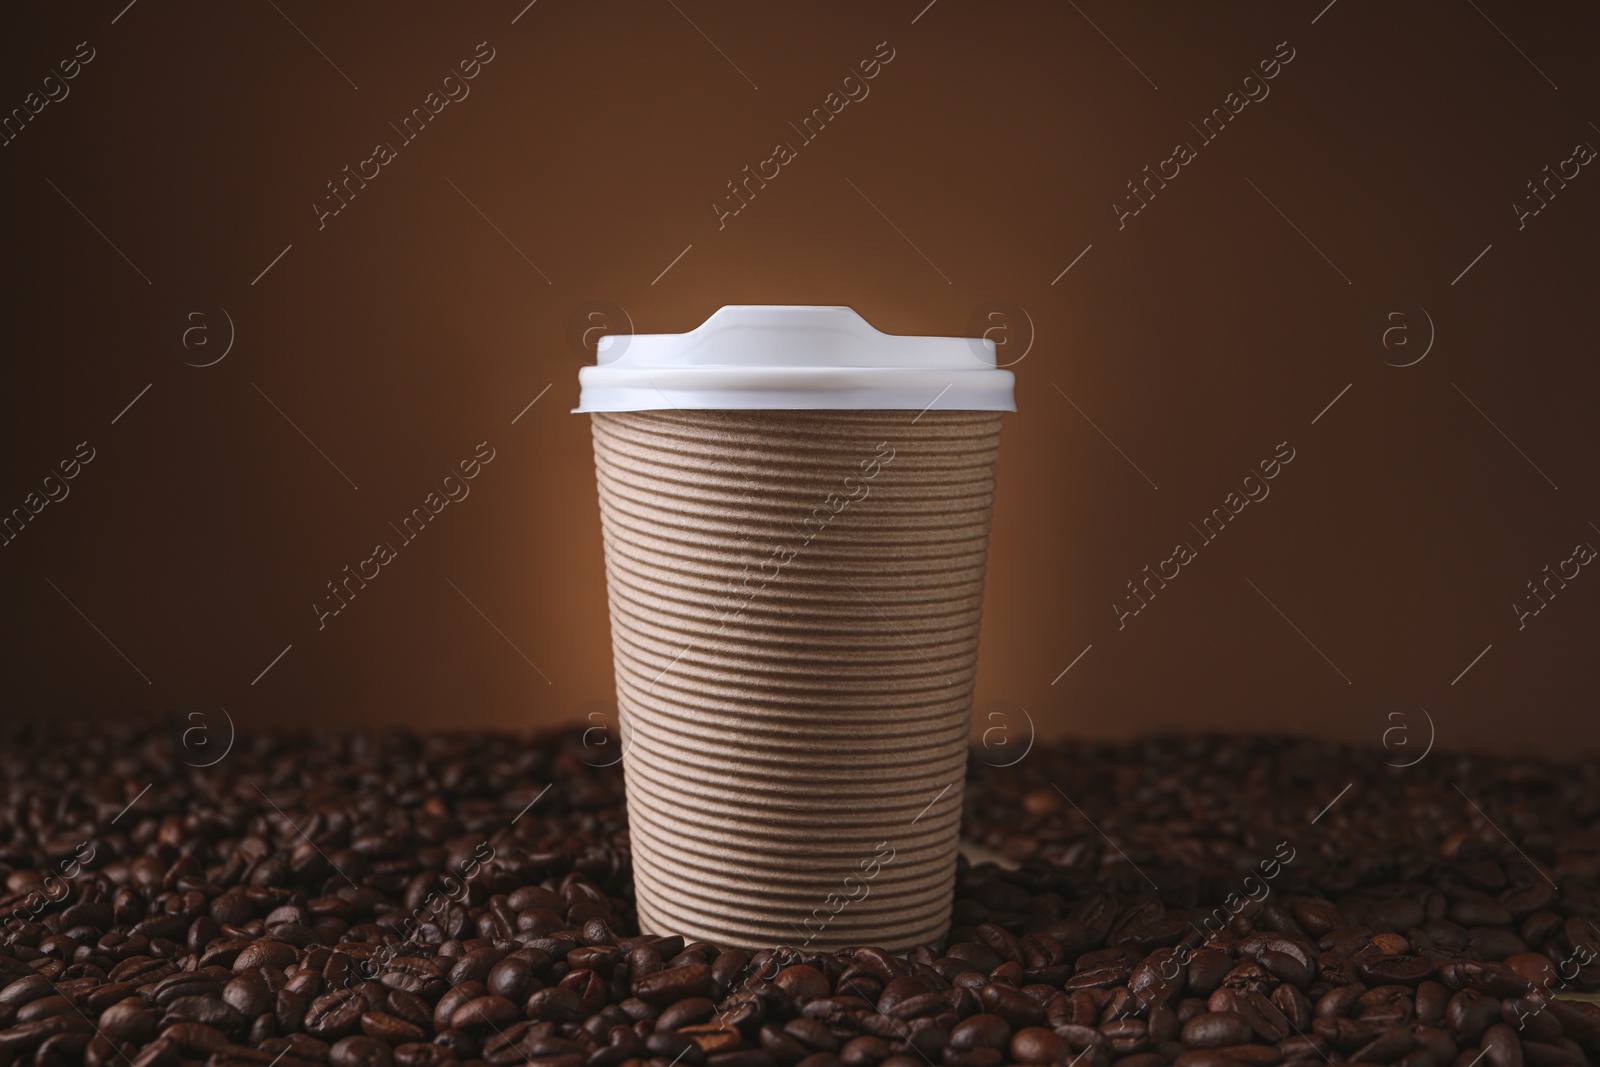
(793, 356)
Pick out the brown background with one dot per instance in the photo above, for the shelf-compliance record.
(1196, 338)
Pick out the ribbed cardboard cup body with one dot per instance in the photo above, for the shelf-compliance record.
(795, 599)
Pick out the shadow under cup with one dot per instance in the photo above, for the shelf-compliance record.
(795, 600)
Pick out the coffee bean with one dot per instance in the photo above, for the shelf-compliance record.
(901, 988)
(1014, 1007)
(557, 1005)
(1036, 1045)
(1143, 924)
(264, 953)
(97, 998)
(452, 1000)
(475, 966)
(1385, 1005)
(1386, 944)
(185, 984)
(1085, 1039)
(227, 921)
(414, 974)
(673, 983)
(248, 994)
(510, 978)
(409, 1007)
(857, 981)
(1494, 979)
(743, 1012)
(210, 1009)
(539, 1061)
(1386, 1047)
(674, 1046)
(130, 1019)
(872, 1023)
(812, 1034)
(1316, 915)
(1494, 942)
(1566, 1054)
(919, 1006)
(333, 1015)
(1099, 976)
(1469, 1013)
(1001, 940)
(1392, 970)
(420, 1055)
(1127, 1036)
(1533, 1021)
(1293, 1007)
(290, 1011)
(1248, 974)
(1224, 999)
(802, 982)
(742, 1058)
(390, 1029)
(1501, 1047)
(836, 1010)
(1579, 1020)
(785, 1048)
(984, 1030)
(25, 1037)
(1483, 912)
(979, 956)
(684, 1012)
(261, 1027)
(196, 1039)
(359, 1051)
(1431, 999)
(1534, 966)
(864, 1051)
(1158, 978)
(485, 1011)
(1205, 969)
(464, 1045)
(309, 983)
(298, 1046)
(928, 1035)
(1163, 1024)
(1188, 1008)
(245, 1056)
(1120, 1003)
(1214, 1029)
(1288, 967)
(1040, 950)
(140, 968)
(44, 1008)
(609, 1056)
(1265, 1020)
(978, 1057)
(1337, 1001)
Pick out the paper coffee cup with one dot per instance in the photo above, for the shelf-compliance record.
(796, 513)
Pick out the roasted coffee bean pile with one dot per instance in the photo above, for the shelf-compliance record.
(420, 901)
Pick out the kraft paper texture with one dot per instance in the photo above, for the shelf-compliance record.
(795, 600)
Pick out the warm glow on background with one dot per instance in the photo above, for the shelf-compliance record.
(1360, 272)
